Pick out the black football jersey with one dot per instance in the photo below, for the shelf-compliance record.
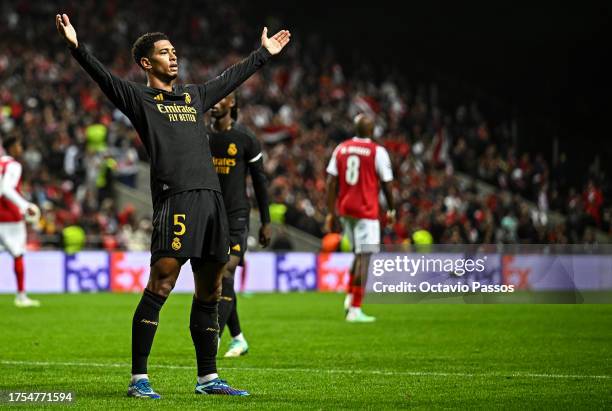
(232, 151)
(170, 124)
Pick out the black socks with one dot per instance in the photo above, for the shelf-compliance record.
(144, 325)
(205, 335)
(203, 325)
(233, 323)
(226, 302)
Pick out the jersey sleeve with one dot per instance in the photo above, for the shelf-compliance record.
(332, 167)
(383, 165)
(122, 93)
(253, 148)
(260, 186)
(254, 158)
(12, 174)
(216, 89)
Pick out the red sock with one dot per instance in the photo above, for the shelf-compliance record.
(19, 273)
(349, 285)
(357, 296)
(243, 277)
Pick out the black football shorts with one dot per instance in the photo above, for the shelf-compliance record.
(238, 234)
(191, 224)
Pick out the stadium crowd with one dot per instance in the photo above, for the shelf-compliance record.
(78, 147)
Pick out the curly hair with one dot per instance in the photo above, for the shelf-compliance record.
(144, 45)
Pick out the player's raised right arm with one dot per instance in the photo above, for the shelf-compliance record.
(119, 91)
(66, 30)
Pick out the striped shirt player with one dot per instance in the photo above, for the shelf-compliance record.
(13, 208)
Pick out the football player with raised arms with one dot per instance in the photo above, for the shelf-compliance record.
(189, 220)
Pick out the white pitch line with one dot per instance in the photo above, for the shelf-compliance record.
(314, 370)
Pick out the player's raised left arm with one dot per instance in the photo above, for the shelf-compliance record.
(277, 42)
(219, 87)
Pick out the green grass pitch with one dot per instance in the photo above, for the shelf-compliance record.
(304, 356)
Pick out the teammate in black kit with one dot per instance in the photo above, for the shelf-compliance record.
(235, 149)
(189, 216)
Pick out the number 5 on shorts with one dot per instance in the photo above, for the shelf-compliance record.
(179, 220)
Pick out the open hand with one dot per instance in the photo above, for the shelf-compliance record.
(66, 30)
(275, 43)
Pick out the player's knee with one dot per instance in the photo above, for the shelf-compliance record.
(164, 274)
(216, 294)
(230, 267)
(162, 285)
(166, 286)
(208, 295)
(208, 277)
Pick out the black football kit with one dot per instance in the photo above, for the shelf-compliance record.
(187, 223)
(235, 152)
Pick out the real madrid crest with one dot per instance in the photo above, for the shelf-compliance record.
(176, 244)
(232, 150)
(187, 98)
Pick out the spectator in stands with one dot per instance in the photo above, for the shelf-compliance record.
(299, 109)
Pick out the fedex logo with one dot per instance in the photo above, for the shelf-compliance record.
(515, 274)
(333, 271)
(87, 271)
(129, 271)
(296, 272)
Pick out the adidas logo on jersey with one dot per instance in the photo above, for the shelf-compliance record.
(159, 97)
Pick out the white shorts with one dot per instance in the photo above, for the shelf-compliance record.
(363, 233)
(13, 238)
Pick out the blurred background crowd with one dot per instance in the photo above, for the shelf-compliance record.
(459, 175)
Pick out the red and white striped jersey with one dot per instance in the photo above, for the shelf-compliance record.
(359, 164)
